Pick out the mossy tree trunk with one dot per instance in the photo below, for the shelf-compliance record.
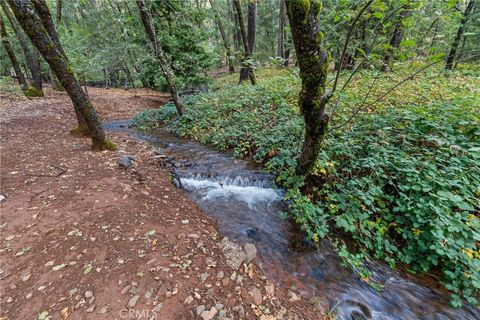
(47, 21)
(11, 55)
(225, 41)
(162, 61)
(28, 17)
(458, 35)
(313, 62)
(31, 58)
(247, 50)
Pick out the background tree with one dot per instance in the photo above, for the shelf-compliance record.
(281, 31)
(458, 35)
(162, 61)
(31, 57)
(251, 31)
(246, 63)
(35, 27)
(226, 43)
(396, 38)
(13, 59)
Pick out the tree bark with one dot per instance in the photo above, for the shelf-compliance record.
(251, 30)
(33, 63)
(458, 35)
(396, 39)
(226, 44)
(59, 11)
(11, 55)
(247, 50)
(43, 13)
(313, 62)
(162, 61)
(237, 37)
(28, 17)
(281, 31)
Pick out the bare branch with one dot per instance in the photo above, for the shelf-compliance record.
(347, 40)
(411, 76)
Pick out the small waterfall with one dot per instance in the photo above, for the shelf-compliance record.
(252, 189)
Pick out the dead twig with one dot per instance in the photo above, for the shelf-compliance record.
(62, 171)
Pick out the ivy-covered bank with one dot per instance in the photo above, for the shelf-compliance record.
(402, 180)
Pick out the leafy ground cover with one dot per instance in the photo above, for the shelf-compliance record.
(402, 180)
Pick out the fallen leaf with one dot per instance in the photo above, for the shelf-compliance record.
(23, 251)
(88, 268)
(59, 267)
(65, 312)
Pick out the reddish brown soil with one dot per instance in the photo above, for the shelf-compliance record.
(74, 224)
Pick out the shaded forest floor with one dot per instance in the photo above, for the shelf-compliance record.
(82, 238)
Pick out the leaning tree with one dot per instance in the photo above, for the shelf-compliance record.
(34, 18)
(159, 54)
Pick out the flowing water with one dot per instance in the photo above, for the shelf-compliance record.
(246, 205)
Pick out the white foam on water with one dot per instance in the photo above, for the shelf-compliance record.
(211, 190)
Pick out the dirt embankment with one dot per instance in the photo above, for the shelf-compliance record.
(82, 238)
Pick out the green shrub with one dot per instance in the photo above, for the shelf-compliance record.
(402, 182)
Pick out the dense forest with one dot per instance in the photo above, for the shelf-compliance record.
(366, 113)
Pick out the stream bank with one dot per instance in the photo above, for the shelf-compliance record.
(246, 206)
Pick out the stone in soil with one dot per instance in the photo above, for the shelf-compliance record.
(200, 309)
(125, 162)
(233, 253)
(133, 301)
(250, 252)
(256, 295)
(208, 315)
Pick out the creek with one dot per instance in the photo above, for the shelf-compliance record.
(246, 205)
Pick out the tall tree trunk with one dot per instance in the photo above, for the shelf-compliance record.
(313, 62)
(396, 39)
(458, 36)
(11, 55)
(31, 58)
(248, 52)
(281, 31)
(36, 72)
(59, 11)
(162, 61)
(251, 30)
(28, 17)
(461, 52)
(226, 43)
(237, 37)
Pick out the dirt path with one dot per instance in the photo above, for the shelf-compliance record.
(82, 238)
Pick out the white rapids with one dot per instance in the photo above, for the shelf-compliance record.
(240, 188)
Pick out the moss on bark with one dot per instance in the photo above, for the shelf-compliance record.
(80, 131)
(106, 144)
(32, 92)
